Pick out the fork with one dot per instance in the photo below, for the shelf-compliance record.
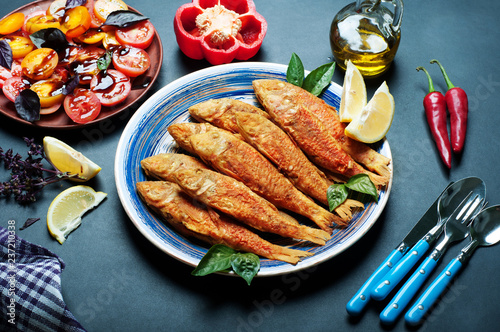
(456, 228)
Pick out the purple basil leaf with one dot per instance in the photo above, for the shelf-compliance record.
(70, 85)
(5, 54)
(124, 18)
(51, 38)
(75, 3)
(28, 105)
(28, 223)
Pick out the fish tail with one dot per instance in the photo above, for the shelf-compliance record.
(292, 256)
(314, 235)
(382, 170)
(344, 210)
(325, 220)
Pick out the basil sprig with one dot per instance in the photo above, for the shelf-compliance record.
(338, 193)
(315, 82)
(222, 258)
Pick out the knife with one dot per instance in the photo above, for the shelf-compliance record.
(359, 301)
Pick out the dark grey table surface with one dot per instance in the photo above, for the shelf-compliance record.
(115, 280)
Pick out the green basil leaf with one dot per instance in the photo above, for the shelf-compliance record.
(28, 105)
(319, 78)
(104, 61)
(295, 71)
(336, 194)
(124, 18)
(245, 265)
(362, 183)
(218, 258)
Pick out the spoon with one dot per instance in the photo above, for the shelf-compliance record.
(464, 190)
(485, 231)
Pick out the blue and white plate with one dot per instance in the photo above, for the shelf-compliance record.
(146, 135)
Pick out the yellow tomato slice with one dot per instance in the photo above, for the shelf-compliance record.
(76, 21)
(49, 92)
(102, 8)
(11, 23)
(40, 63)
(20, 45)
(37, 23)
(91, 36)
(110, 40)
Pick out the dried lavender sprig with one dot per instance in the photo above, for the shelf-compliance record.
(27, 175)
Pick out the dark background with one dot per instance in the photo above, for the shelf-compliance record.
(115, 280)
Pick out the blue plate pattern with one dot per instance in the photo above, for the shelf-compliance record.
(146, 135)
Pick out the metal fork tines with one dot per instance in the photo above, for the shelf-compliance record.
(455, 229)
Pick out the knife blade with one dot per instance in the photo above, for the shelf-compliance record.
(359, 301)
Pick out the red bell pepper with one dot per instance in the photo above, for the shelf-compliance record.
(219, 30)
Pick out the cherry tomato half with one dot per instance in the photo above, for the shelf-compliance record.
(11, 23)
(111, 87)
(131, 61)
(40, 63)
(13, 86)
(139, 35)
(31, 15)
(102, 8)
(82, 105)
(49, 91)
(37, 23)
(94, 21)
(109, 40)
(91, 36)
(75, 21)
(20, 45)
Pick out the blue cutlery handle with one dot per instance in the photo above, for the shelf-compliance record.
(407, 292)
(359, 301)
(397, 273)
(431, 294)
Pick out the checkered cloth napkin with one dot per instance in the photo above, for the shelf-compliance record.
(33, 273)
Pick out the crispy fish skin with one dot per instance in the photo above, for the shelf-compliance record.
(181, 132)
(232, 197)
(309, 132)
(220, 112)
(240, 160)
(168, 200)
(163, 165)
(278, 147)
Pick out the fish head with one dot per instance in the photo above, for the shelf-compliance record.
(210, 144)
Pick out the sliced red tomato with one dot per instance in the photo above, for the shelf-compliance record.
(49, 91)
(13, 86)
(4, 75)
(16, 69)
(82, 105)
(76, 21)
(20, 45)
(94, 21)
(111, 87)
(131, 61)
(40, 63)
(60, 74)
(85, 64)
(139, 35)
(11, 23)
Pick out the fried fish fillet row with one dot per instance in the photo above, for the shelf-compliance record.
(168, 200)
(232, 197)
(238, 159)
(252, 123)
(291, 109)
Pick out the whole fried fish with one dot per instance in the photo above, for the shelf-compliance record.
(289, 111)
(236, 158)
(181, 132)
(168, 200)
(220, 112)
(278, 147)
(163, 165)
(232, 197)
(327, 114)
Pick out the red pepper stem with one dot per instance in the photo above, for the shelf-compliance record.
(446, 78)
(431, 85)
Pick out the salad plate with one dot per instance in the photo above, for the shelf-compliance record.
(146, 135)
(59, 119)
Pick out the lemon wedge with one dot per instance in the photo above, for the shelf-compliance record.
(375, 119)
(353, 97)
(67, 159)
(66, 210)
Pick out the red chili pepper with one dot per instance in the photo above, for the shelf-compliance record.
(435, 111)
(458, 106)
(219, 31)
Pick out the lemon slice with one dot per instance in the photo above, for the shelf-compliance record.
(66, 210)
(353, 97)
(67, 159)
(375, 119)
